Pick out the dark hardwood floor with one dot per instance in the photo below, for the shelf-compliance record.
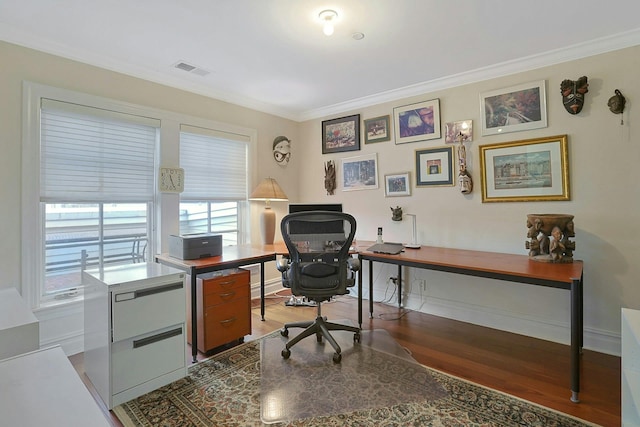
(525, 367)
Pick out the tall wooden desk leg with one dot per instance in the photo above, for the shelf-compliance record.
(194, 316)
(576, 337)
(370, 289)
(262, 290)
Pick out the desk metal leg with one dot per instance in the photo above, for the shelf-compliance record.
(360, 296)
(194, 317)
(370, 289)
(576, 337)
(399, 286)
(262, 290)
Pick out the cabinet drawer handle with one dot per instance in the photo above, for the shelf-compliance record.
(227, 283)
(155, 338)
(227, 322)
(228, 295)
(158, 289)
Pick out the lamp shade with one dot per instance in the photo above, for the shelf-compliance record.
(268, 190)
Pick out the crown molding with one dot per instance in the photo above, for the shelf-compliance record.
(558, 56)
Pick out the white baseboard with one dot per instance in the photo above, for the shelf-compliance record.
(596, 340)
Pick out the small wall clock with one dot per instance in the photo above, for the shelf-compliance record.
(171, 180)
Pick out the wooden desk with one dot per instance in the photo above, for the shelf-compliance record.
(512, 268)
(232, 257)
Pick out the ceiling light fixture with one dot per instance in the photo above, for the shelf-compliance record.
(328, 16)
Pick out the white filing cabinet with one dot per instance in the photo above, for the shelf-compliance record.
(41, 388)
(134, 323)
(630, 367)
(19, 327)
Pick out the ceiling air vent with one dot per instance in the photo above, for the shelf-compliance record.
(191, 68)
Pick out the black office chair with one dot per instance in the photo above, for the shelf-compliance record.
(319, 267)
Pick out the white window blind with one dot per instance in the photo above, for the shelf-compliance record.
(94, 155)
(214, 163)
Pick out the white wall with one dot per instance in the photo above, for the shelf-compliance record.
(604, 199)
(603, 157)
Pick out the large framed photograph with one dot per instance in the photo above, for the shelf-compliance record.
(417, 122)
(434, 166)
(377, 129)
(397, 184)
(530, 170)
(513, 109)
(360, 172)
(341, 134)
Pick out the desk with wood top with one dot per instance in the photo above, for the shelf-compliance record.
(509, 267)
(232, 257)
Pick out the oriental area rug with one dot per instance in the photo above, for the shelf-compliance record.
(377, 383)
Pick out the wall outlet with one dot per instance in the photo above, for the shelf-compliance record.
(423, 284)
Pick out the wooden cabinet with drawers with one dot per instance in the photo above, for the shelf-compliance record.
(224, 308)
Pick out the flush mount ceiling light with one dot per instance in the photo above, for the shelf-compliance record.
(328, 16)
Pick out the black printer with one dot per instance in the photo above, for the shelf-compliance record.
(194, 246)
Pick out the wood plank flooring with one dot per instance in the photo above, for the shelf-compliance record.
(525, 367)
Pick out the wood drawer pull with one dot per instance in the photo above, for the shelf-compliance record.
(228, 295)
(228, 322)
(227, 283)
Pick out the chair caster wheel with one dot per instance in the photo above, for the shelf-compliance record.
(319, 338)
(356, 337)
(284, 332)
(286, 353)
(337, 357)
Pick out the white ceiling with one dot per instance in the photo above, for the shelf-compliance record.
(271, 55)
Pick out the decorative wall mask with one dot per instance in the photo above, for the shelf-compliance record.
(573, 94)
(330, 177)
(616, 104)
(282, 150)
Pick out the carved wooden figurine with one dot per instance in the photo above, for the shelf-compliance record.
(330, 177)
(549, 237)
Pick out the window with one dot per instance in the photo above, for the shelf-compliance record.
(89, 188)
(215, 189)
(96, 192)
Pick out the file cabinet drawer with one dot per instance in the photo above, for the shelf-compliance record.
(162, 306)
(141, 359)
(226, 296)
(227, 322)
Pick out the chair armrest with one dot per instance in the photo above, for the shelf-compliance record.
(282, 264)
(354, 264)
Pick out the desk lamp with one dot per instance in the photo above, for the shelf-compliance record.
(268, 190)
(414, 236)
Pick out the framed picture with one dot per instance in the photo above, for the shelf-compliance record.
(455, 130)
(522, 107)
(377, 130)
(531, 170)
(434, 166)
(341, 134)
(397, 184)
(417, 122)
(360, 173)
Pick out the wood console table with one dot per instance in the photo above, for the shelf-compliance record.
(512, 268)
(232, 257)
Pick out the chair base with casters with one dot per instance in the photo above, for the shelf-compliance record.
(320, 327)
